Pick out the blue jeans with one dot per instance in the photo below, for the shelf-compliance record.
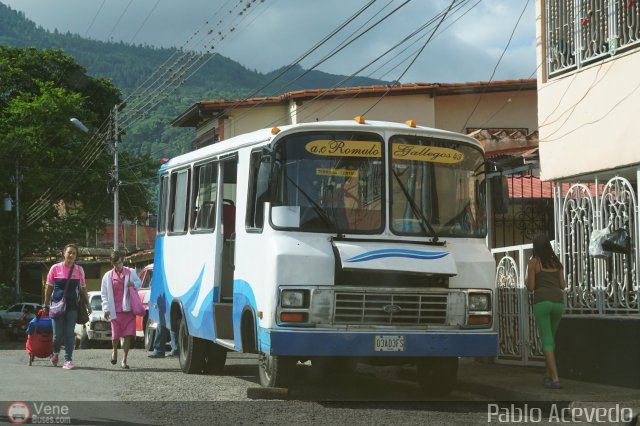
(160, 340)
(63, 331)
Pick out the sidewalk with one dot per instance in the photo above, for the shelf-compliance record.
(517, 383)
(514, 383)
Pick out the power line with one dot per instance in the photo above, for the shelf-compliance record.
(144, 21)
(497, 64)
(94, 18)
(444, 16)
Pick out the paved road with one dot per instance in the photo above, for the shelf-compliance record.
(155, 391)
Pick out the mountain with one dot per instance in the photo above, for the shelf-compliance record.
(131, 66)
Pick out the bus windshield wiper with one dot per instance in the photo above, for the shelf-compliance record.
(322, 214)
(424, 223)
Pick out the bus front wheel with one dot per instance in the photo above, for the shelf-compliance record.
(437, 375)
(192, 350)
(275, 371)
(215, 358)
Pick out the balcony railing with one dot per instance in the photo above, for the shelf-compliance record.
(580, 32)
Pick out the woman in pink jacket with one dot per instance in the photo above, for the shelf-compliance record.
(117, 305)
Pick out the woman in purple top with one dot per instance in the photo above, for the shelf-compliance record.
(61, 275)
(116, 305)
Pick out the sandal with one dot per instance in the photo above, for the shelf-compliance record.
(552, 385)
(125, 366)
(114, 359)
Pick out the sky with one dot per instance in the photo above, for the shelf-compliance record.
(269, 34)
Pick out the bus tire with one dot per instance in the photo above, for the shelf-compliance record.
(192, 350)
(437, 375)
(149, 336)
(275, 371)
(215, 359)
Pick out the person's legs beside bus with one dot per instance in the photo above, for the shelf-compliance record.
(159, 342)
(542, 314)
(174, 343)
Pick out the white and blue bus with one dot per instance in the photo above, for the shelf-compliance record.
(332, 242)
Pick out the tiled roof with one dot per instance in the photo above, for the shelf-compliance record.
(215, 107)
(533, 187)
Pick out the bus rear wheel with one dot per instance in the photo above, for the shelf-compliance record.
(149, 336)
(275, 371)
(192, 350)
(437, 375)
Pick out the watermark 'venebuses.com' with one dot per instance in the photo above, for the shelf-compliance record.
(38, 413)
(557, 414)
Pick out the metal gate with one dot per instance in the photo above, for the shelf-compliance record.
(594, 286)
(518, 340)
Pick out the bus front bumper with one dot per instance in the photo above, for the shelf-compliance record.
(382, 343)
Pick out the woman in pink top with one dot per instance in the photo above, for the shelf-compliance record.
(117, 305)
(61, 275)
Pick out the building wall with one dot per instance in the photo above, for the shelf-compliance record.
(512, 109)
(590, 110)
(509, 110)
(244, 120)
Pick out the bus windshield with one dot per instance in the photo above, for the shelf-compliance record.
(437, 188)
(329, 182)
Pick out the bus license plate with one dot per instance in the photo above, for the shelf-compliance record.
(389, 343)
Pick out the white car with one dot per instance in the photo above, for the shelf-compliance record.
(20, 310)
(97, 329)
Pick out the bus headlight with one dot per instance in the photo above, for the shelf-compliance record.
(479, 302)
(479, 314)
(294, 298)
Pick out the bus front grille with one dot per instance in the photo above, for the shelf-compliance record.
(390, 308)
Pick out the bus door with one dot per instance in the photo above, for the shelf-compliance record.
(225, 251)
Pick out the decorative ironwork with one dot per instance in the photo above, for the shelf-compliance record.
(518, 336)
(530, 220)
(583, 31)
(578, 219)
(594, 286)
(599, 286)
(618, 209)
(510, 342)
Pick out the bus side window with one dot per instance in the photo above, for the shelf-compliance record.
(162, 205)
(205, 194)
(179, 206)
(258, 192)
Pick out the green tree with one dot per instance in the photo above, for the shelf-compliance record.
(64, 172)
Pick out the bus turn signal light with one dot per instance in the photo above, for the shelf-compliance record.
(359, 119)
(479, 320)
(275, 130)
(410, 123)
(292, 317)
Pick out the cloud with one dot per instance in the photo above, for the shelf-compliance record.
(273, 33)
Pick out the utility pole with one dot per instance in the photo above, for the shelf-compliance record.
(18, 298)
(116, 178)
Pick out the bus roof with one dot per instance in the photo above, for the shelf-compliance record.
(261, 136)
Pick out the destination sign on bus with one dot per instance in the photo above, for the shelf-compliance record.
(432, 154)
(370, 149)
(337, 172)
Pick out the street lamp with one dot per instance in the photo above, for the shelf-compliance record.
(116, 204)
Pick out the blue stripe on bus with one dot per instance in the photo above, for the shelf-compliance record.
(410, 254)
(243, 296)
(200, 325)
(361, 344)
